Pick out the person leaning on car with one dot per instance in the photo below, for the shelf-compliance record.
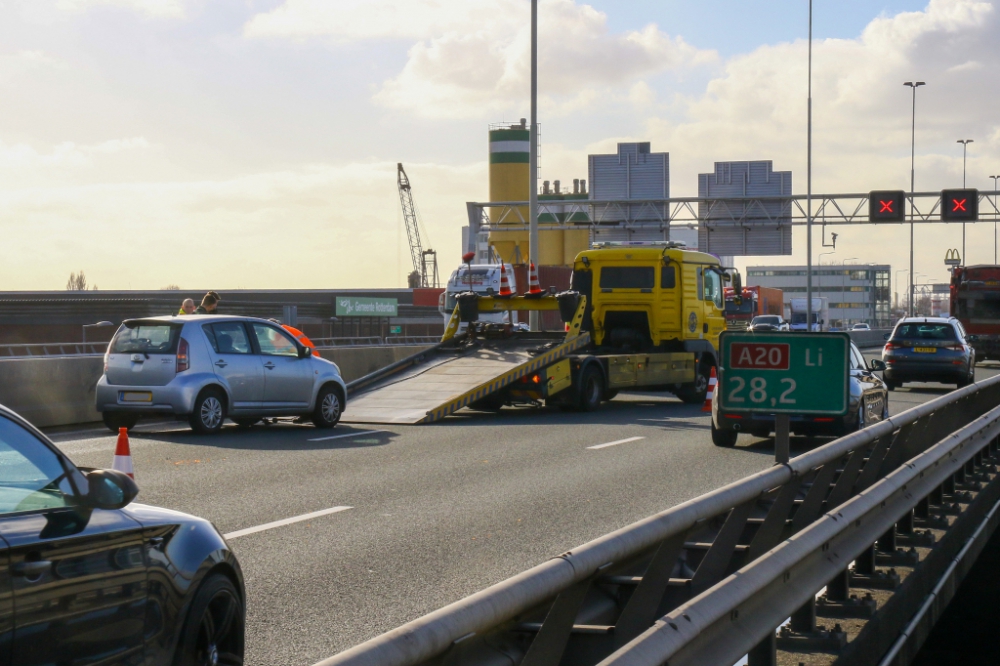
(209, 303)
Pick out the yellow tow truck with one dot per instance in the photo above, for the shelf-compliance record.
(639, 316)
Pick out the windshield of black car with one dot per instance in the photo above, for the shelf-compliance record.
(146, 338)
(924, 331)
(768, 319)
(31, 474)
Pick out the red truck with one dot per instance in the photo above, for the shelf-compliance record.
(975, 302)
(756, 301)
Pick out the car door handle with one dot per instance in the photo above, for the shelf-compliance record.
(220, 363)
(31, 569)
(269, 365)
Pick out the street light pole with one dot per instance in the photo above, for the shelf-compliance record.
(809, 166)
(965, 150)
(533, 318)
(913, 145)
(843, 281)
(994, 218)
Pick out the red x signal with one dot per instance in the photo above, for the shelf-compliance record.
(958, 205)
(886, 206)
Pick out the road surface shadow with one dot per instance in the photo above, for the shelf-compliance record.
(280, 437)
(615, 412)
(797, 444)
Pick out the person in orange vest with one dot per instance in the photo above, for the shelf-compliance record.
(298, 335)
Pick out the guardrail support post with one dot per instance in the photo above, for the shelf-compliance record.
(804, 619)
(923, 508)
(937, 496)
(887, 542)
(839, 588)
(865, 564)
(905, 524)
(948, 487)
(764, 653)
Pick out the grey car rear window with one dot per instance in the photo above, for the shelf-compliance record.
(147, 338)
(228, 337)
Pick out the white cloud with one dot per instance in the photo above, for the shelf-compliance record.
(474, 55)
(69, 154)
(151, 8)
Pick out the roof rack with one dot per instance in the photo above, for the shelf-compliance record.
(668, 244)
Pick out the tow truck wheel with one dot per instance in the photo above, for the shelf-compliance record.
(590, 391)
(695, 392)
(724, 438)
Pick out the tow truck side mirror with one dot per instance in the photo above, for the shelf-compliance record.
(737, 284)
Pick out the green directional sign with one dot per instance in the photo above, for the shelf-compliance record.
(353, 306)
(784, 373)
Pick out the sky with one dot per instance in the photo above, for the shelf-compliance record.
(253, 143)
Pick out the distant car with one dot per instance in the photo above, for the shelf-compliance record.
(768, 323)
(94, 579)
(861, 326)
(868, 403)
(207, 368)
(929, 349)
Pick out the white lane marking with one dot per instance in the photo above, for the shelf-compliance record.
(287, 521)
(350, 434)
(615, 443)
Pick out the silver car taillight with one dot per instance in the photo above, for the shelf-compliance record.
(183, 362)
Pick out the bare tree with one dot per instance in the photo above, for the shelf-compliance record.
(170, 287)
(77, 282)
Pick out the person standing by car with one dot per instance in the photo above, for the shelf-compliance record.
(187, 307)
(209, 303)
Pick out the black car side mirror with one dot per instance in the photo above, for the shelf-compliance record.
(305, 352)
(110, 489)
(877, 365)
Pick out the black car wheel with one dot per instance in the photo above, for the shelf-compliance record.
(724, 438)
(329, 407)
(209, 412)
(116, 420)
(591, 390)
(891, 386)
(213, 632)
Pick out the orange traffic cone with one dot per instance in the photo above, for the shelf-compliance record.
(505, 291)
(534, 289)
(123, 455)
(712, 384)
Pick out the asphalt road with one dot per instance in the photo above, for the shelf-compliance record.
(436, 512)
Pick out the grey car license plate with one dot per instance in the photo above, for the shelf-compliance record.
(136, 396)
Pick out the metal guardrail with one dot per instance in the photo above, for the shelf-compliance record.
(53, 349)
(395, 340)
(724, 570)
(98, 348)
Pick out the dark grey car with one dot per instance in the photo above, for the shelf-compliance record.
(868, 403)
(92, 578)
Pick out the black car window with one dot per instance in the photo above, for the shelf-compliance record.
(228, 337)
(31, 474)
(858, 360)
(924, 331)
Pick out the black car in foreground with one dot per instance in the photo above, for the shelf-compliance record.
(88, 577)
(868, 403)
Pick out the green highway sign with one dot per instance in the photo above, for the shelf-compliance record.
(784, 373)
(352, 306)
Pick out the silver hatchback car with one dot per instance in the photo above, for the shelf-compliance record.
(207, 368)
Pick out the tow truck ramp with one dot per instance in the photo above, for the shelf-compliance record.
(436, 382)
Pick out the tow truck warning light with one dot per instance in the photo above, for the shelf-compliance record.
(960, 205)
(887, 206)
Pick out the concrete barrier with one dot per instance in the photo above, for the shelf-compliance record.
(869, 339)
(59, 390)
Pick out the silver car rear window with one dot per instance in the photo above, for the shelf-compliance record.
(146, 337)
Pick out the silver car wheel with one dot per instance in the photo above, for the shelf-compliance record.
(211, 413)
(330, 407)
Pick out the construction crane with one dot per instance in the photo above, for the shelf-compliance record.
(425, 263)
